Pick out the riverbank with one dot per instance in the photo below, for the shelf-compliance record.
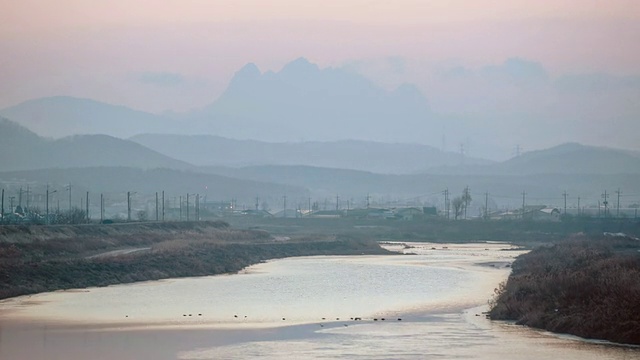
(584, 286)
(285, 302)
(528, 234)
(46, 258)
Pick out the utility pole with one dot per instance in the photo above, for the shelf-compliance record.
(128, 206)
(579, 206)
(284, 212)
(368, 199)
(523, 202)
(197, 207)
(564, 194)
(337, 203)
(2, 208)
(180, 207)
(466, 201)
(87, 207)
(446, 201)
(47, 195)
(69, 188)
(28, 196)
(48, 220)
(257, 202)
(187, 206)
(101, 208)
(162, 205)
(605, 203)
(486, 205)
(599, 209)
(157, 217)
(618, 203)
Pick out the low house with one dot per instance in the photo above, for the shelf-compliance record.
(326, 214)
(409, 213)
(257, 213)
(288, 213)
(531, 212)
(546, 214)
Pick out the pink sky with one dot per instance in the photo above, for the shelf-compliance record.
(98, 49)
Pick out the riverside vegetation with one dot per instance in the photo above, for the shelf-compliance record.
(44, 258)
(585, 286)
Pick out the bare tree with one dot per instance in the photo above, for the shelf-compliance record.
(466, 200)
(458, 206)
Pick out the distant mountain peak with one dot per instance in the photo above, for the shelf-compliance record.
(306, 99)
(299, 66)
(249, 70)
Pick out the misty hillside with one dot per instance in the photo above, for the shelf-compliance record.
(118, 180)
(299, 102)
(570, 158)
(61, 116)
(205, 150)
(21, 149)
(325, 183)
(304, 102)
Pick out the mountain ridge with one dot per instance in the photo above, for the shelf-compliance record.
(22, 149)
(345, 154)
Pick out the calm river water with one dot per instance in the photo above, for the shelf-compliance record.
(296, 308)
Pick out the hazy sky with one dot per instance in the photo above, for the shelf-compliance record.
(158, 55)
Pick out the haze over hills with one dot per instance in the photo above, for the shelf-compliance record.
(503, 190)
(570, 158)
(21, 149)
(61, 116)
(583, 171)
(299, 102)
(302, 101)
(206, 150)
(106, 164)
(116, 181)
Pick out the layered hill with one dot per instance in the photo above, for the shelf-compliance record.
(302, 101)
(61, 116)
(116, 181)
(355, 186)
(207, 150)
(570, 158)
(299, 102)
(21, 149)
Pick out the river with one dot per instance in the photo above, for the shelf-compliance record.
(424, 306)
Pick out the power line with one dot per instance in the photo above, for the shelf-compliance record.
(605, 203)
(618, 203)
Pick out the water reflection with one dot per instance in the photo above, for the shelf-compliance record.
(290, 308)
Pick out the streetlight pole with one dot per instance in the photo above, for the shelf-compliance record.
(48, 193)
(47, 219)
(69, 189)
(101, 208)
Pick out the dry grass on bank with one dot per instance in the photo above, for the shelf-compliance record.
(583, 286)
